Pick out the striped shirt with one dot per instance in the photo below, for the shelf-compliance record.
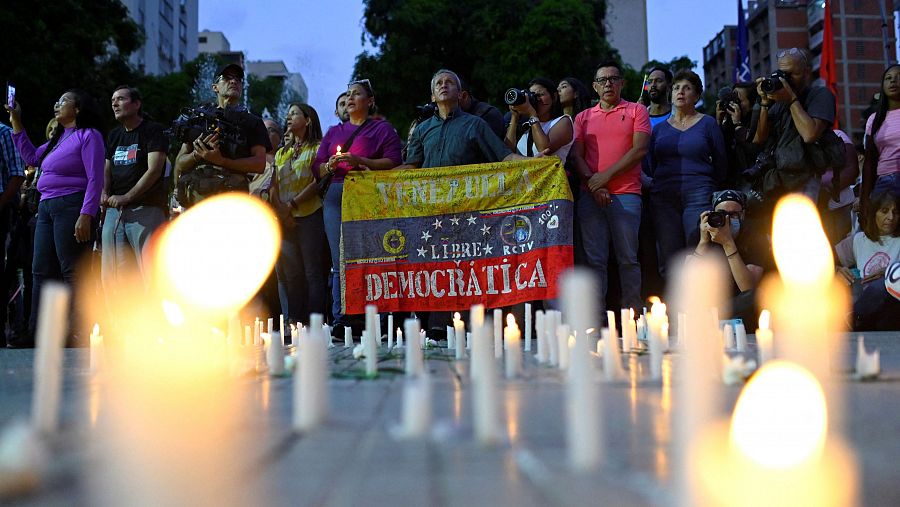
(11, 162)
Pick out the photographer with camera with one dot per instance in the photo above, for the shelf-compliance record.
(795, 129)
(722, 233)
(133, 190)
(737, 113)
(232, 145)
(547, 129)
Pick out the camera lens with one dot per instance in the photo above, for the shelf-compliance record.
(716, 219)
(514, 97)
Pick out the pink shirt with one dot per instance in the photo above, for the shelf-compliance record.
(887, 139)
(607, 136)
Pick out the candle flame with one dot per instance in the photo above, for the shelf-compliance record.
(338, 148)
(456, 316)
(96, 329)
(173, 313)
(658, 308)
(780, 419)
(199, 251)
(801, 249)
(764, 317)
(511, 321)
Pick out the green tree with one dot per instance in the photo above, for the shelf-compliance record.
(264, 93)
(53, 46)
(493, 45)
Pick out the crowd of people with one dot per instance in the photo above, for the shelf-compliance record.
(656, 182)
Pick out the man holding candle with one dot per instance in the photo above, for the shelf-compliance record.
(205, 166)
(611, 139)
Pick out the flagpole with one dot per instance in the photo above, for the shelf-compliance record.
(884, 34)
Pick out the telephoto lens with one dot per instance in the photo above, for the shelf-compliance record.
(716, 219)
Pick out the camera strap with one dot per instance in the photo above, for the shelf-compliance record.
(350, 139)
(530, 143)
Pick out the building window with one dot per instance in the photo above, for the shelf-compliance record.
(201, 39)
(858, 24)
(182, 30)
(860, 71)
(860, 48)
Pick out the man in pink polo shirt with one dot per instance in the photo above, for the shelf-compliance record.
(611, 138)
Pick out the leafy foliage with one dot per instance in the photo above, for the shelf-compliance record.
(493, 45)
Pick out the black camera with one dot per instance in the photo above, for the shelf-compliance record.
(200, 121)
(425, 111)
(727, 98)
(717, 218)
(773, 83)
(517, 97)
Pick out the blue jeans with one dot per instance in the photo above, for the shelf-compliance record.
(332, 216)
(618, 224)
(887, 182)
(302, 268)
(676, 220)
(56, 253)
(125, 233)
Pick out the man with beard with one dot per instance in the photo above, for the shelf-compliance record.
(659, 79)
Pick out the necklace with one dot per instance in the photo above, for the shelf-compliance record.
(683, 121)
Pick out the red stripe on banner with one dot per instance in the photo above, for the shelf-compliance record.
(446, 286)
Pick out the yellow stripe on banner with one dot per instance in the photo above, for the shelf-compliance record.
(408, 193)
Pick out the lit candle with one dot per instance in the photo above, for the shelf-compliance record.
(552, 325)
(49, 338)
(371, 344)
(778, 441)
(611, 324)
(476, 316)
(459, 331)
(498, 333)
(399, 338)
(96, 349)
(528, 333)
(513, 348)
(338, 151)
(764, 339)
(390, 330)
(295, 335)
(539, 324)
(413, 360)
(583, 423)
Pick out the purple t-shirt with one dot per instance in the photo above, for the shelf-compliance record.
(376, 140)
(75, 165)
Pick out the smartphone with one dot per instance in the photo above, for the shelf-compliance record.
(10, 95)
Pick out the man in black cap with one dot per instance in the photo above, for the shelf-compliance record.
(223, 161)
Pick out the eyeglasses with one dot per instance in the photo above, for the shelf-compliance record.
(792, 52)
(229, 77)
(365, 83)
(611, 80)
(61, 102)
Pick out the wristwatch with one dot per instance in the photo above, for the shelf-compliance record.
(532, 121)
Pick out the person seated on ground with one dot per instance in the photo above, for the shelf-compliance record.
(874, 249)
(746, 254)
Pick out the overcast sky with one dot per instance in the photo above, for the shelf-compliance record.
(321, 38)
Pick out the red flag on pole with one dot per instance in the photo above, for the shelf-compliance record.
(827, 69)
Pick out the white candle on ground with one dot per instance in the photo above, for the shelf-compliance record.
(513, 349)
(257, 329)
(281, 329)
(390, 331)
(270, 323)
(552, 341)
(527, 336)
(413, 359)
(764, 339)
(562, 341)
(295, 335)
(459, 331)
(468, 340)
(274, 353)
(399, 338)
(583, 423)
(740, 337)
(311, 381)
(487, 420)
(728, 337)
(867, 365)
(611, 324)
(371, 343)
(539, 324)
(416, 405)
(476, 316)
(96, 343)
(654, 338)
(498, 333)
(612, 361)
(627, 331)
(53, 319)
(451, 340)
(348, 337)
